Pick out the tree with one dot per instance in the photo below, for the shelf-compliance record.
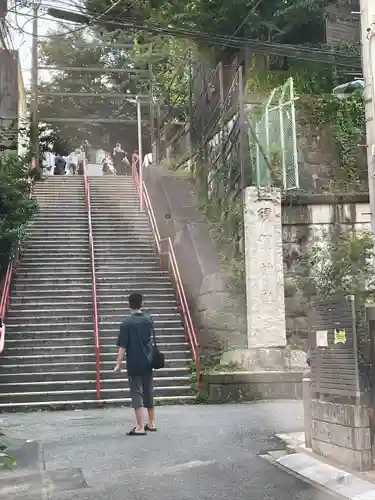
(269, 20)
(16, 208)
(67, 49)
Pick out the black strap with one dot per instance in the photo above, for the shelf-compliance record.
(153, 335)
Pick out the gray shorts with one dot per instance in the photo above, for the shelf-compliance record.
(141, 391)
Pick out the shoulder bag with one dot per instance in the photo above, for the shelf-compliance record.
(157, 357)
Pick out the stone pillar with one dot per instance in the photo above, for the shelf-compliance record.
(264, 268)
(266, 332)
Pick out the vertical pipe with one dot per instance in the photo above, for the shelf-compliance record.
(140, 153)
(282, 139)
(221, 89)
(241, 103)
(295, 152)
(34, 88)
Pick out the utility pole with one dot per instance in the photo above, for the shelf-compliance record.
(152, 105)
(368, 63)
(34, 132)
(140, 152)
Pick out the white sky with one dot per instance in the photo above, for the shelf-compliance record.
(21, 28)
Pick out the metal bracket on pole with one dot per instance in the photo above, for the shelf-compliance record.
(140, 153)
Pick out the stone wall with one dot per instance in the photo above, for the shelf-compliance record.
(308, 220)
(342, 433)
(250, 386)
(219, 311)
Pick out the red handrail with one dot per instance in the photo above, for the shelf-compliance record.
(93, 282)
(5, 298)
(174, 271)
(5, 293)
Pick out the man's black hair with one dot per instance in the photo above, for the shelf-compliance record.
(135, 300)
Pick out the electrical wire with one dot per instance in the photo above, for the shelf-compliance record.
(267, 48)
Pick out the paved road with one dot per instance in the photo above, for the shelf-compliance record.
(199, 452)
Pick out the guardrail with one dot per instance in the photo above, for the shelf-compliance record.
(5, 295)
(93, 282)
(5, 292)
(173, 271)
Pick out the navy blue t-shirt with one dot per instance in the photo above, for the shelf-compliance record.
(136, 338)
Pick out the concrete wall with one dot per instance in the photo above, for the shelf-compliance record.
(342, 433)
(218, 311)
(250, 386)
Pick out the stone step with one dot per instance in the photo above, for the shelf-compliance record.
(21, 324)
(103, 289)
(50, 219)
(120, 218)
(120, 383)
(76, 309)
(81, 349)
(46, 317)
(57, 239)
(124, 251)
(31, 255)
(106, 375)
(64, 272)
(72, 339)
(44, 361)
(64, 231)
(32, 268)
(123, 273)
(22, 290)
(54, 281)
(90, 403)
(36, 259)
(53, 205)
(117, 301)
(109, 260)
(87, 394)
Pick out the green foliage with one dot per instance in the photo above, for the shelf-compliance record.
(343, 266)
(319, 108)
(67, 49)
(6, 461)
(225, 218)
(347, 122)
(16, 208)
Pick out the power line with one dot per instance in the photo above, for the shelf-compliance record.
(336, 58)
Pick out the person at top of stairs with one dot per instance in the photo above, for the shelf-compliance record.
(60, 164)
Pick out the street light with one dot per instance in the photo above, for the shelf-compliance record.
(346, 89)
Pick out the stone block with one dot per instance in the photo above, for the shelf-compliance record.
(337, 413)
(247, 386)
(354, 438)
(353, 459)
(264, 359)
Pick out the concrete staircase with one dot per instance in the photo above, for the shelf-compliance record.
(49, 357)
(126, 262)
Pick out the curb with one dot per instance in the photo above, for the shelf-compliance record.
(303, 464)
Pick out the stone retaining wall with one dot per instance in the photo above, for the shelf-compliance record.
(229, 387)
(342, 433)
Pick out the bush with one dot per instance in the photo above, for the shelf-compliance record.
(16, 207)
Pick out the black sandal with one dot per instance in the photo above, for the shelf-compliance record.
(134, 432)
(150, 429)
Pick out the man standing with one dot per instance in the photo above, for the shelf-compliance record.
(135, 339)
